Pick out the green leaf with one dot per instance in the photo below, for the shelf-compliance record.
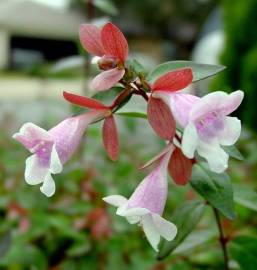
(200, 71)
(215, 188)
(233, 152)
(186, 218)
(5, 244)
(137, 67)
(106, 6)
(245, 196)
(108, 96)
(243, 249)
(128, 113)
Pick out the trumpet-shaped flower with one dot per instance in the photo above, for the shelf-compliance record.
(147, 203)
(209, 126)
(110, 45)
(51, 149)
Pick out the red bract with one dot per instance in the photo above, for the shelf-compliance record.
(110, 44)
(180, 167)
(110, 138)
(159, 114)
(161, 119)
(173, 80)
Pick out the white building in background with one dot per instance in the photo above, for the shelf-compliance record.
(23, 22)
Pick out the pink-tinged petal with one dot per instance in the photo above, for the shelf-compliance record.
(35, 173)
(90, 38)
(231, 132)
(169, 147)
(48, 187)
(84, 101)
(161, 119)
(151, 231)
(232, 102)
(111, 138)
(219, 102)
(174, 80)
(67, 134)
(166, 229)
(216, 157)
(107, 79)
(151, 193)
(30, 134)
(114, 42)
(179, 103)
(115, 200)
(55, 162)
(190, 140)
(180, 167)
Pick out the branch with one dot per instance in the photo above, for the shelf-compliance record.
(222, 239)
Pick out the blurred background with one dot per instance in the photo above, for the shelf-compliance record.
(40, 56)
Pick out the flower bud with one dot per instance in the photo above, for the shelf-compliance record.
(107, 62)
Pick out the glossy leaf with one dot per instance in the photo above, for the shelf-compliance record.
(161, 119)
(243, 249)
(106, 6)
(215, 188)
(186, 217)
(173, 80)
(200, 71)
(233, 152)
(110, 138)
(180, 167)
(245, 196)
(137, 67)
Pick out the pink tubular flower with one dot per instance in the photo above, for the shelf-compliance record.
(209, 126)
(51, 149)
(110, 132)
(147, 203)
(159, 111)
(111, 46)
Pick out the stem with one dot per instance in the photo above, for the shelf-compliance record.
(222, 239)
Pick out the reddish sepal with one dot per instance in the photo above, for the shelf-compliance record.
(110, 138)
(174, 80)
(84, 101)
(180, 167)
(114, 42)
(161, 119)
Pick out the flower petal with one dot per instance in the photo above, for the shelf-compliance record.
(34, 172)
(231, 132)
(166, 229)
(48, 187)
(180, 167)
(218, 101)
(137, 211)
(55, 163)
(30, 134)
(174, 80)
(90, 38)
(160, 118)
(151, 231)
(114, 42)
(84, 101)
(216, 157)
(110, 138)
(189, 140)
(115, 200)
(107, 79)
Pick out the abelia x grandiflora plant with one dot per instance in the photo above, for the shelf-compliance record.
(198, 131)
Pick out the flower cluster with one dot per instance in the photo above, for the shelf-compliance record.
(194, 128)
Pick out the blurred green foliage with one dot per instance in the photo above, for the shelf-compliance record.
(240, 55)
